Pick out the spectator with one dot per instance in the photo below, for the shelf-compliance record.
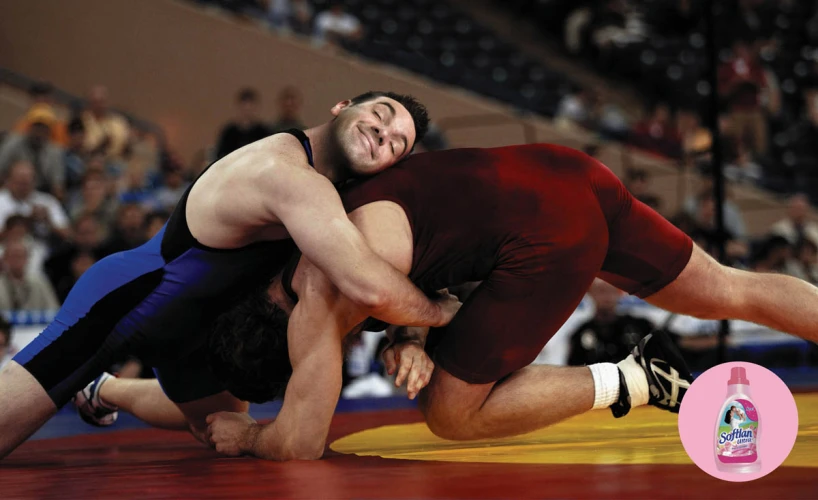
(608, 336)
(301, 18)
(6, 349)
(86, 238)
(105, 130)
(19, 197)
(246, 129)
(95, 199)
(42, 101)
(75, 157)
(80, 262)
(337, 27)
(742, 168)
(173, 187)
(290, 15)
(658, 133)
(154, 223)
(733, 220)
(696, 140)
(21, 292)
(128, 233)
(735, 248)
(796, 227)
(36, 148)
(806, 258)
(637, 180)
(290, 101)
(773, 255)
(576, 108)
(18, 228)
(434, 140)
(741, 82)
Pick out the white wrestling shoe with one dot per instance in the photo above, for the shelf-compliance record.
(91, 408)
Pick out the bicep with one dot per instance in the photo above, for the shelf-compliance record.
(315, 218)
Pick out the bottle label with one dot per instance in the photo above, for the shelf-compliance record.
(738, 432)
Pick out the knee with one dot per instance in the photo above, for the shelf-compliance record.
(444, 422)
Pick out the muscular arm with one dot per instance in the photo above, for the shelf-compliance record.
(317, 326)
(311, 210)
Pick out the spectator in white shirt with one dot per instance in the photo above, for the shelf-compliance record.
(21, 292)
(19, 197)
(337, 27)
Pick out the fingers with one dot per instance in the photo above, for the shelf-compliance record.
(405, 366)
(389, 360)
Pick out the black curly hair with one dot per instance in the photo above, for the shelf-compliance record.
(248, 349)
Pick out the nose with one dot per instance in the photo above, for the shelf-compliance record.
(379, 133)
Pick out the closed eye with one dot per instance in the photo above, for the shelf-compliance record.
(379, 116)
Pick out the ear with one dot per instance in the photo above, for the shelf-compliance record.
(336, 110)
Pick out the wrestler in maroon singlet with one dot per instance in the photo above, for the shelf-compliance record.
(536, 224)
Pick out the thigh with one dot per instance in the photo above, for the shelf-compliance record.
(645, 251)
(85, 338)
(507, 321)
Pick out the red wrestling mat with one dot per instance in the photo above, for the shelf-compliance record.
(150, 464)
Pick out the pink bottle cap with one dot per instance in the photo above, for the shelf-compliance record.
(738, 375)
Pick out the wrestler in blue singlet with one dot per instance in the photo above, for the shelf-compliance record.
(155, 302)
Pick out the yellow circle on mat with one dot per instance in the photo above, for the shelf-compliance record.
(645, 436)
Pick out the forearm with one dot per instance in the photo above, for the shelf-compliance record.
(395, 300)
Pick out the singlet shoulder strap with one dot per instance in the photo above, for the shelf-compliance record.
(305, 142)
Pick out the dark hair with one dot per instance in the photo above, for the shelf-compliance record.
(39, 89)
(76, 125)
(18, 220)
(248, 95)
(247, 348)
(156, 214)
(420, 115)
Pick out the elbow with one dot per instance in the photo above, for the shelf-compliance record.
(306, 451)
(370, 298)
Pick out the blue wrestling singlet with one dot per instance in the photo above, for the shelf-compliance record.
(155, 302)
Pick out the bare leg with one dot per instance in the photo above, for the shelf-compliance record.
(144, 399)
(24, 407)
(531, 398)
(708, 290)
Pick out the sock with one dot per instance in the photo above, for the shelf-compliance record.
(636, 379)
(606, 384)
(102, 402)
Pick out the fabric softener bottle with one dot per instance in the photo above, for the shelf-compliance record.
(737, 429)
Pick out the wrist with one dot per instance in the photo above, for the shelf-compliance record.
(248, 445)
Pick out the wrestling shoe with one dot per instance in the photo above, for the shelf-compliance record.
(666, 371)
(91, 408)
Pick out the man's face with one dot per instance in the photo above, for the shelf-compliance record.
(606, 296)
(38, 135)
(798, 209)
(87, 234)
(373, 135)
(21, 180)
(98, 100)
(248, 110)
(16, 259)
(289, 104)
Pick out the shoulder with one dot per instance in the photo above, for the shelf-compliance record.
(41, 198)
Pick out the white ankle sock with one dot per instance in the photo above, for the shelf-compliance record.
(636, 379)
(606, 384)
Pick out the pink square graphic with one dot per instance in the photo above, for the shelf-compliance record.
(700, 411)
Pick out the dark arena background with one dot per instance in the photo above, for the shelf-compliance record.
(707, 110)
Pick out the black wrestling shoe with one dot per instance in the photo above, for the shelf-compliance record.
(666, 370)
